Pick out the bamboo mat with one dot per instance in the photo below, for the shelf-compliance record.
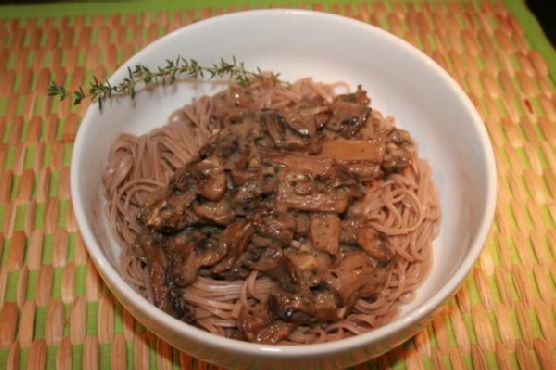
(56, 312)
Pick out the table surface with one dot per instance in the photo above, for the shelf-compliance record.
(54, 309)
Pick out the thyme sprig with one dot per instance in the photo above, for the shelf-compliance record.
(141, 76)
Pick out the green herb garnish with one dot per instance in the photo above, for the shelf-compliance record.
(140, 75)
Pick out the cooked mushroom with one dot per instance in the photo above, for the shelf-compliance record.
(276, 332)
(374, 244)
(349, 276)
(234, 240)
(218, 212)
(325, 232)
(279, 194)
(211, 181)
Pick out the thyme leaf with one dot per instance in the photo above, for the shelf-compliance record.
(140, 75)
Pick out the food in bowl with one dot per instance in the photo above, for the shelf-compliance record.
(401, 80)
(274, 213)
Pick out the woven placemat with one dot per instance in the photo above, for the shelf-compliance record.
(55, 310)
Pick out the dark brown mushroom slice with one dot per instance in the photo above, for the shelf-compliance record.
(348, 277)
(366, 171)
(206, 251)
(277, 226)
(179, 308)
(275, 126)
(290, 130)
(350, 231)
(298, 144)
(396, 158)
(169, 212)
(280, 228)
(276, 332)
(177, 248)
(291, 307)
(259, 241)
(287, 275)
(399, 136)
(302, 183)
(157, 267)
(246, 198)
(320, 202)
(308, 263)
(263, 258)
(234, 239)
(189, 269)
(350, 113)
(211, 251)
(241, 176)
(375, 244)
(356, 97)
(251, 321)
(375, 283)
(210, 177)
(346, 180)
(325, 232)
(237, 160)
(160, 279)
(234, 274)
(205, 254)
(325, 305)
(182, 180)
(301, 121)
(288, 198)
(398, 150)
(219, 212)
(350, 126)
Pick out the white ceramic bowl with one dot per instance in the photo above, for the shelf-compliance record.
(401, 81)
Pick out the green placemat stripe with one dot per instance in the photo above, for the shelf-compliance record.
(102, 8)
(534, 33)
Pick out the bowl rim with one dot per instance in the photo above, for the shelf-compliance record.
(142, 305)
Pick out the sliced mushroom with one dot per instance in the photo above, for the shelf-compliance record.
(210, 177)
(275, 126)
(325, 233)
(288, 197)
(251, 321)
(291, 307)
(275, 332)
(354, 150)
(308, 264)
(374, 244)
(218, 212)
(375, 283)
(326, 305)
(264, 258)
(302, 163)
(349, 276)
(301, 122)
(234, 239)
(274, 225)
(159, 269)
(350, 231)
(169, 212)
(350, 112)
